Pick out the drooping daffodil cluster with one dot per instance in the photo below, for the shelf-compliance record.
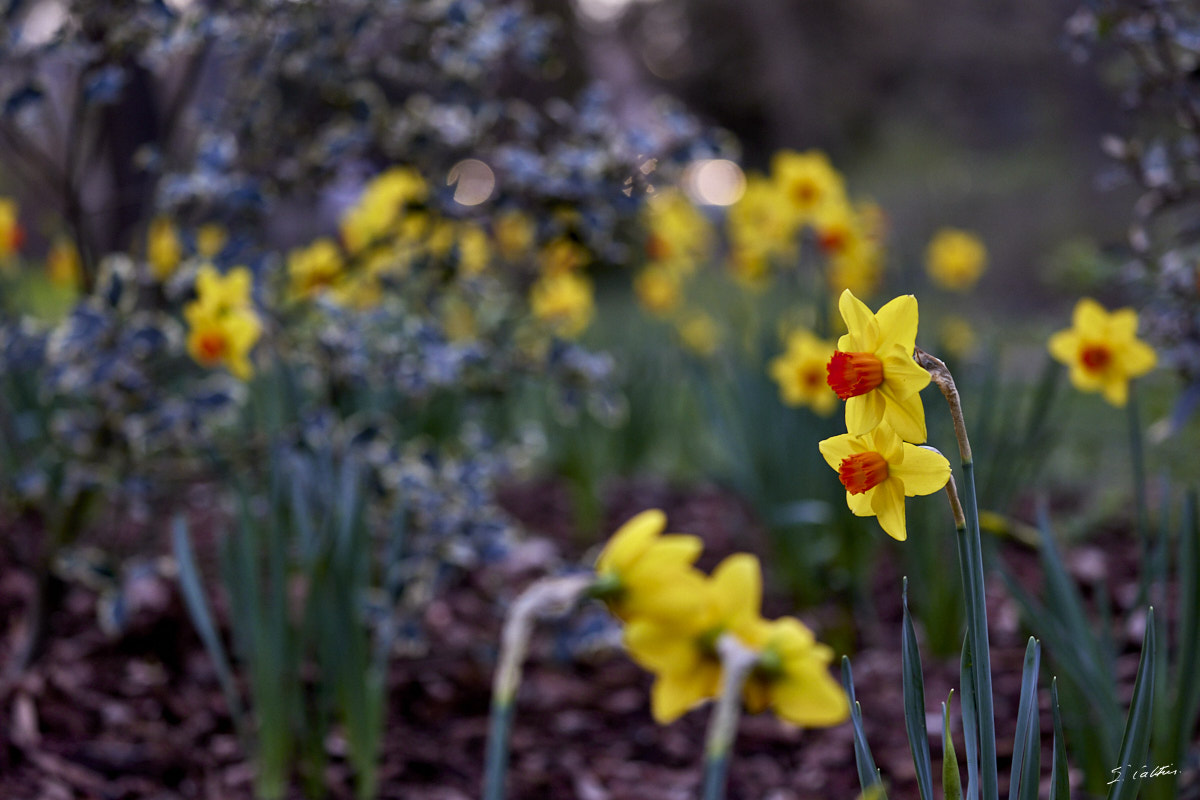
(879, 460)
(223, 326)
(1102, 350)
(674, 615)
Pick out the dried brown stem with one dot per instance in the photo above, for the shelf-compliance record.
(945, 381)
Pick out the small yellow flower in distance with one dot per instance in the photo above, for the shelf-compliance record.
(210, 240)
(807, 182)
(873, 368)
(564, 300)
(63, 266)
(1102, 350)
(677, 233)
(474, 250)
(699, 333)
(163, 248)
(955, 259)
(642, 573)
(563, 255)
(222, 324)
(12, 235)
(792, 676)
(514, 232)
(879, 471)
(379, 211)
(759, 222)
(314, 268)
(659, 289)
(957, 336)
(682, 653)
(751, 268)
(801, 375)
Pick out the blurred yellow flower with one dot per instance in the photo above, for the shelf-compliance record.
(957, 336)
(564, 300)
(801, 375)
(63, 266)
(563, 255)
(514, 232)
(381, 210)
(807, 182)
(699, 333)
(955, 259)
(474, 249)
(314, 268)
(879, 471)
(873, 368)
(642, 573)
(659, 289)
(751, 268)
(682, 652)
(792, 675)
(759, 222)
(210, 240)
(222, 324)
(1102, 350)
(163, 248)
(677, 233)
(12, 235)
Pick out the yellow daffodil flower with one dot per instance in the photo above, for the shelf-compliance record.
(800, 372)
(222, 324)
(381, 210)
(211, 239)
(659, 288)
(792, 676)
(957, 336)
(955, 259)
(807, 182)
(699, 333)
(1103, 351)
(314, 268)
(873, 368)
(759, 222)
(163, 248)
(682, 653)
(474, 249)
(677, 232)
(641, 573)
(563, 255)
(12, 235)
(514, 232)
(879, 471)
(63, 266)
(564, 300)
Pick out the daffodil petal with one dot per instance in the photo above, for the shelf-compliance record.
(921, 471)
(1116, 391)
(1138, 358)
(811, 699)
(835, 449)
(906, 417)
(631, 540)
(901, 374)
(1089, 318)
(860, 504)
(864, 411)
(1123, 323)
(898, 323)
(1063, 346)
(660, 647)
(887, 501)
(861, 326)
(737, 589)
(673, 694)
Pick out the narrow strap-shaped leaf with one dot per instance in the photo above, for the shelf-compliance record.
(1136, 740)
(1187, 678)
(1060, 781)
(193, 597)
(914, 703)
(970, 729)
(951, 780)
(1023, 782)
(868, 774)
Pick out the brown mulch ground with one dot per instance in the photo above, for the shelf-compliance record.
(141, 716)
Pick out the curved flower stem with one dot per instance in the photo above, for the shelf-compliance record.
(545, 598)
(737, 661)
(970, 557)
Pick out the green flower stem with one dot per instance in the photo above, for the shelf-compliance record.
(737, 661)
(1137, 457)
(970, 553)
(546, 598)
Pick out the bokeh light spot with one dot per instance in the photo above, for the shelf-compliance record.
(473, 181)
(714, 182)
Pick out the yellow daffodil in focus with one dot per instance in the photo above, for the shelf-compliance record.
(564, 300)
(222, 324)
(873, 368)
(792, 676)
(12, 235)
(800, 372)
(682, 653)
(659, 289)
(63, 266)
(955, 259)
(314, 268)
(879, 471)
(163, 248)
(699, 333)
(807, 182)
(1103, 350)
(642, 573)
